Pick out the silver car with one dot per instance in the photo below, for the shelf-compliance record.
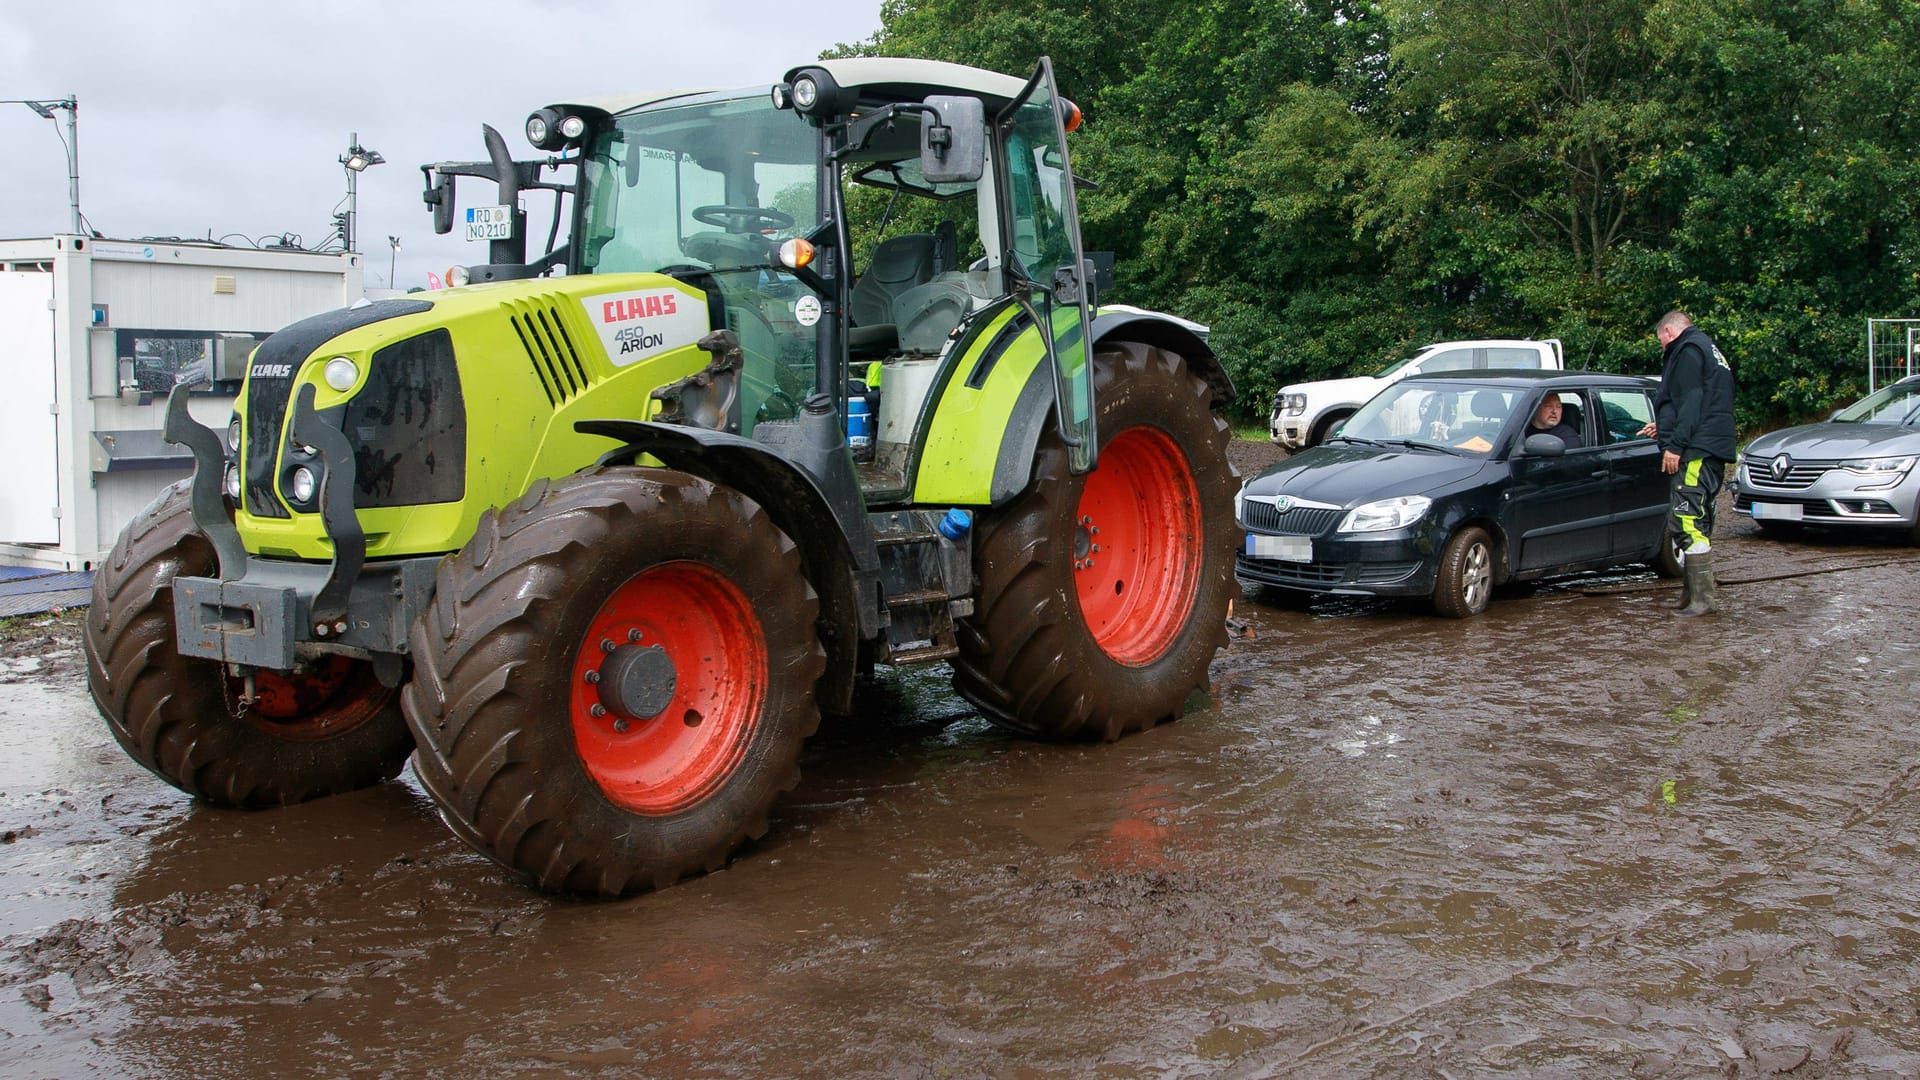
(1855, 470)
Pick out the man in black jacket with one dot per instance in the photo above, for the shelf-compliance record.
(1693, 418)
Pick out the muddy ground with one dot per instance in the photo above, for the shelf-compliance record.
(1574, 836)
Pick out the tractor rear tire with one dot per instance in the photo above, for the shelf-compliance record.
(682, 592)
(1103, 598)
(328, 729)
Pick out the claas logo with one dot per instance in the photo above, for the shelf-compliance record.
(629, 308)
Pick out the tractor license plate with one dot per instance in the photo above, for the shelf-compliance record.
(1284, 548)
(1765, 511)
(489, 223)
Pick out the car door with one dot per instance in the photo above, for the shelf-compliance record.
(1637, 495)
(1557, 506)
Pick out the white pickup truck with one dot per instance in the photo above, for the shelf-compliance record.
(1304, 414)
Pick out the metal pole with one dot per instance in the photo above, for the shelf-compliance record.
(352, 196)
(73, 159)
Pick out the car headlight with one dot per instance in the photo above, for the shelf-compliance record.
(1885, 471)
(1296, 404)
(1395, 513)
(1239, 504)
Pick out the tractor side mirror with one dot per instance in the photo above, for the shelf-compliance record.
(439, 196)
(953, 139)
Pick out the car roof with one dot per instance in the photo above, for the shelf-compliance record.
(1522, 378)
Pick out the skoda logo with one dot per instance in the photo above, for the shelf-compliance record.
(1283, 504)
(1779, 466)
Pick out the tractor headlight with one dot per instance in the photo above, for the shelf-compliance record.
(341, 373)
(573, 127)
(1395, 513)
(304, 485)
(806, 92)
(233, 434)
(536, 129)
(230, 483)
(457, 276)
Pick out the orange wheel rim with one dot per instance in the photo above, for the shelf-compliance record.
(678, 730)
(329, 697)
(1138, 546)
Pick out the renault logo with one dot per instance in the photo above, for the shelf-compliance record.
(1780, 466)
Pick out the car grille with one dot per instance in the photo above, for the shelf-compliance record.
(1323, 575)
(1293, 521)
(1825, 511)
(1799, 477)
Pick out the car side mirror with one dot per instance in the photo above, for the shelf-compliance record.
(953, 139)
(1543, 445)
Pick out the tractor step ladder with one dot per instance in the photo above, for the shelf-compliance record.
(923, 575)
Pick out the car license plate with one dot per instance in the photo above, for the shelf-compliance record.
(1766, 511)
(1285, 548)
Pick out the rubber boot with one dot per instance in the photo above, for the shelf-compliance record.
(1703, 595)
(1686, 584)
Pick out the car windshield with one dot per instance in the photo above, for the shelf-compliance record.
(1393, 367)
(1896, 404)
(1458, 417)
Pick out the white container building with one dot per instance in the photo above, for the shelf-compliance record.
(92, 333)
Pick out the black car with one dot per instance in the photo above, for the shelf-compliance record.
(1440, 487)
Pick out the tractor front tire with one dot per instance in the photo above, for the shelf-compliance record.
(1103, 598)
(614, 680)
(326, 729)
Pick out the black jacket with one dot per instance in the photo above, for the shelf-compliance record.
(1694, 405)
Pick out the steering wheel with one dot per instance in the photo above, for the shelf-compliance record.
(742, 219)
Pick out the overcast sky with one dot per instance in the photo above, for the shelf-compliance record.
(228, 118)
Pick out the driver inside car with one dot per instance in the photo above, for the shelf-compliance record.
(1549, 419)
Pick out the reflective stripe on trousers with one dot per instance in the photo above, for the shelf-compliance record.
(1691, 494)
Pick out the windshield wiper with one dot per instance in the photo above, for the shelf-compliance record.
(1412, 445)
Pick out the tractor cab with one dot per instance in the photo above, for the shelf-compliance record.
(858, 229)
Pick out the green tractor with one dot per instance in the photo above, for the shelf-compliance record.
(596, 537)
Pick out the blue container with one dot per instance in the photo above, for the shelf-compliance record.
(859, 423)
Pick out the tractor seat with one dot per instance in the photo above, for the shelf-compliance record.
(900, 264)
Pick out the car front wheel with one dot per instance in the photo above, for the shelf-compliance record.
(1465, 582)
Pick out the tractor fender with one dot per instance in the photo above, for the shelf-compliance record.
(1149, 329)
(1033, 410)
(836, 563)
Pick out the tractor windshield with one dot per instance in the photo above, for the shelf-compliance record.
(717, 184)
(707, 192)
